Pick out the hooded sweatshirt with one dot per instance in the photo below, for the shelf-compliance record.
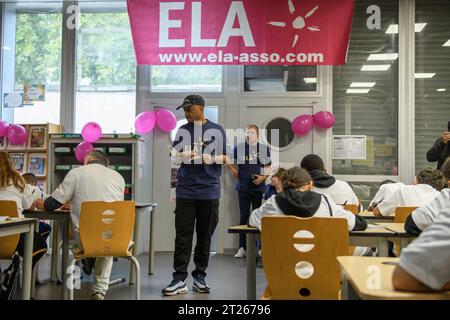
(340, 191)
(305, 205)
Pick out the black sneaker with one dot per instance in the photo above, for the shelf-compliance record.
(88, 265)
(175, 287)
(200, 284)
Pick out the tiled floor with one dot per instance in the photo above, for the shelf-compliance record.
(226, 276)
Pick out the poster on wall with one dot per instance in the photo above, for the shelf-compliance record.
(34, 92)
(349, 147)
(13, 100)
(246, 32)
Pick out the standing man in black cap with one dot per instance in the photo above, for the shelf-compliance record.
(440, 151)
(200, 148)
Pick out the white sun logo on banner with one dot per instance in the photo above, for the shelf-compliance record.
(298, 23)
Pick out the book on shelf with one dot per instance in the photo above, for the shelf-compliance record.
(63, 167)
(37, 137)
(102, 149)
(37, 164)
(124, 168)
(65, 136)
(22, 146)
(75, 166)
(19, 161)
(117, 150)
(63, 149)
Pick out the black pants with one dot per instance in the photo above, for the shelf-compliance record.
(203, 215)
(247, 200)
(39, 247)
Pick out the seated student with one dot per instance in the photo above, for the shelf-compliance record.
(428, 184)
(31, 180)
(424, 264)
(422, 217)
(275, 185)
(92, 182)
(297, 198)
(13, 187)
(339, 191)
(386, 188)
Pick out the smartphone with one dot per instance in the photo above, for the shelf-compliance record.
(254, 176)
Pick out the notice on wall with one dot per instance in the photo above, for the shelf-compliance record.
(173, 182)
(34, 92)
(13, 100)
(349, 147)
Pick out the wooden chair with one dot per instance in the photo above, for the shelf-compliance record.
(292, 245)
(401, 213)
(106, 230)
(8, 244)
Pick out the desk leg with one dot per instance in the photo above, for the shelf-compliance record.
(383, 247)
(27, 263)
(137, 220)
(251, 266)
(347, 291)
(151, 252)
(65, 257)
(55, 252)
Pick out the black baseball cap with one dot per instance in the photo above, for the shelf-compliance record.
(191, 100)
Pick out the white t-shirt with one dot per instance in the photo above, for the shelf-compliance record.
(92, 182)
(271, 208)
(340, 192)
(23, 199)
(426, 215)
(428, 257)
(417, 195)
(37, 193)
(385, 191)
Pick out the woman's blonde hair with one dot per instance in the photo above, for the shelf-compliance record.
(8, 173)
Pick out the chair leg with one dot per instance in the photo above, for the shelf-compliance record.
(137, 270)
(33, 280)
(71, 285)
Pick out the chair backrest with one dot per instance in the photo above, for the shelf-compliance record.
(353, 208)
(106, 228)
(8, 244)
(401, 213)
(292, 247)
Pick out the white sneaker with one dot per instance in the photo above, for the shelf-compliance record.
(240, 253)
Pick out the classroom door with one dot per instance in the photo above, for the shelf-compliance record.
(164, 179)
(290, 149)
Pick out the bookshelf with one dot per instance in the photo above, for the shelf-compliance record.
(32, 156)
(125, 152)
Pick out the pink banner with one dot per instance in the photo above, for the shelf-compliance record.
(246, 32)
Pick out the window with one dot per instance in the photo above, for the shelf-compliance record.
(280, 78)
(32, 56)
(106, 68)
(432, 76)
(186, 79)
(284, 131)
(365, 92)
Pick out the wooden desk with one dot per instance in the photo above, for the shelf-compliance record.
(368, 215)
(356, 283)
(139, 208)
(372, 237)
(25, 226)
(61, 220)
(400, 232)
(251, 235)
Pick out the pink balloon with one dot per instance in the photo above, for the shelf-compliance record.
(145, 122)
(82, 150)
(16, 134)
(165, 120)
(3, 128)
(91, 132)
(324, 119)
(302, 124)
